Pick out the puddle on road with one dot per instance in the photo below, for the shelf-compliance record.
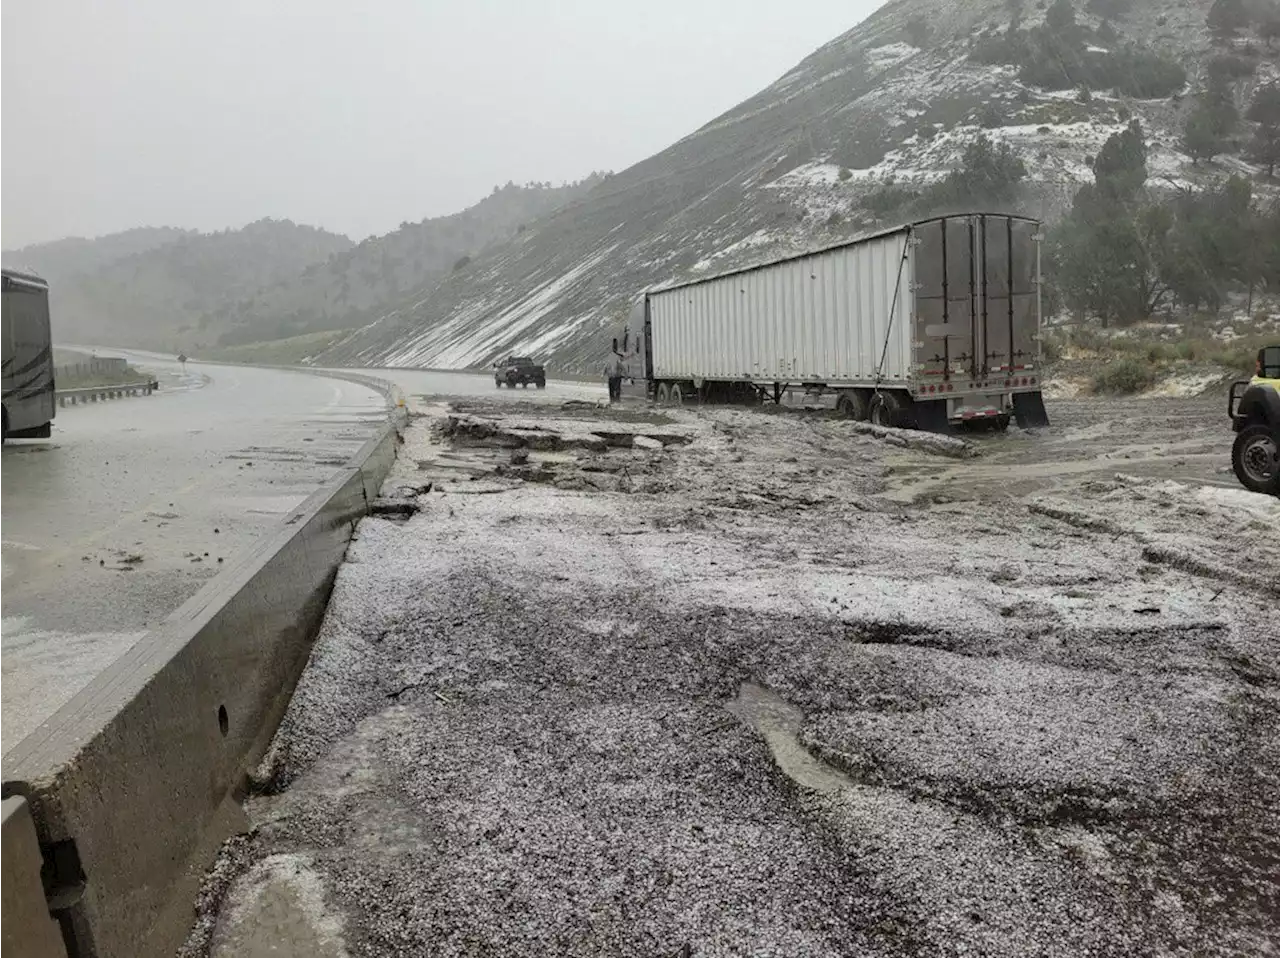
(779, 722)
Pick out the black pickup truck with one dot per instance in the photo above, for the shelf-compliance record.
(519, 371)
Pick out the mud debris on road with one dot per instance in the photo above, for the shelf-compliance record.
(780, 688)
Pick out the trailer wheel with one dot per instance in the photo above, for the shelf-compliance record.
(663, 394)
(852, 405)
(888, 409)
(677, 394)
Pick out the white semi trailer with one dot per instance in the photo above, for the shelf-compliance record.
(927, 325)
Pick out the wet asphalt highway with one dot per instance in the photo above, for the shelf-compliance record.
(124, 514)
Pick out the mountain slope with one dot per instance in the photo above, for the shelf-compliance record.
(170, 295)
(827, 152)
(379, 270)
(66, 257)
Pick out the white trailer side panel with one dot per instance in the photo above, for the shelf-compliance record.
(820, 318)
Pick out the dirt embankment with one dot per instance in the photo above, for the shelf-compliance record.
(780, 687)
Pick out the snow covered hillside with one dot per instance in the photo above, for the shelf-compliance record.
(888, 106)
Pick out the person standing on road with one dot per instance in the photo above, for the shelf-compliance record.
(613, 372)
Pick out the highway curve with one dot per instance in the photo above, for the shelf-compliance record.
(135, 503)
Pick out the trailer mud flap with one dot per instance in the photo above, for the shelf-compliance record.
(931, 416)
(1028, 410)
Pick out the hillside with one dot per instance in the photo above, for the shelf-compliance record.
(175, 289)
(380, 270)
(173, 294)
(67, 257)
(868, 129)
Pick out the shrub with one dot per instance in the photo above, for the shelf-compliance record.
(844, 174)
(1228, 66)
(1090, 339)
(1142, 73)
(1050, 348)
(1009, 48)
(990, 116)
(461, 263)
(887, 199)
(1124, 376)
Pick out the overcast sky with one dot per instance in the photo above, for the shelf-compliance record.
(355, 117)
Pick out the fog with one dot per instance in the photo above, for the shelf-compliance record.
(355, 118)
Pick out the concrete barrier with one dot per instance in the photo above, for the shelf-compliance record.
(133, 784)
(26, 928)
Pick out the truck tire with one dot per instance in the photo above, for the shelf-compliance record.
(663, 394)
(677, 394)
(852, 404)
(542, 384)
(888, 409)
(498, 383)
(1254, 457)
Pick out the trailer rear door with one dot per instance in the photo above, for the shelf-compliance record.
(976, 299)
(1011, 320)
(945, 299)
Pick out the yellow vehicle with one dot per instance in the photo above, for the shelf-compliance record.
(1254, 408)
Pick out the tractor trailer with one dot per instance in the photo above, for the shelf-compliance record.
(931, 324)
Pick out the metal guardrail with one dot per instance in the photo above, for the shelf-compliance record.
(84, 394)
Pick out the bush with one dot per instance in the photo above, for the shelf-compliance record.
(1124, 376)
(1228, 66)
(1142, 73)
(844, 174)
(887, 199)
(1008, 48)
(1050, 348)
(990, 116)
(1241, 357)
(461, 263)
(1090, 339)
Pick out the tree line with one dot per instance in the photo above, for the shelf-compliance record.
(1125, 250)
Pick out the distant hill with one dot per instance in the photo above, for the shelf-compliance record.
(68, 257)
(867, 131)
(166, 289)
(340, 292)
(172, 289)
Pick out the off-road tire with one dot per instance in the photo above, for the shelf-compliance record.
(1254, 446)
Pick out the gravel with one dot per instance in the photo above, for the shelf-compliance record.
(1016, 727)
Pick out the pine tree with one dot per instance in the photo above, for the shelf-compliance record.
(1226, 17)
(1264, 110)
(1120, 168)
(1060, 18)
(1200, 136)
